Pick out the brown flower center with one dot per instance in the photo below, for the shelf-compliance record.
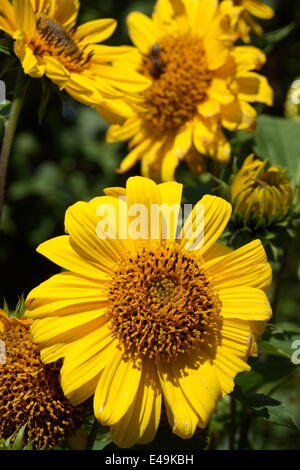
(53, 39)
(30, 393)
(163, 303)
(178, 68)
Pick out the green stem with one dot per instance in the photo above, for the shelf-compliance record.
(278, 286)
(215, 171)
(92, 435)
(233, 424)
(9, 133)
(246, 421)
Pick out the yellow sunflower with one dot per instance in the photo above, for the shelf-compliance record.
(252, 8)
(145, 321)
(261, 193)
(30, 392)
(47, 42)
(200, 83)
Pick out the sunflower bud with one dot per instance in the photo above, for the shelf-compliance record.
(260, 193)
(292, 104)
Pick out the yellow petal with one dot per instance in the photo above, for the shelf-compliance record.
(200, 14)
(245, 303)
(53, 353)
(114, 111)
(87, 237)
(7, 18)
(143, 416)
(216, 250)
(170, 194)
(68, 285)
(254, 88)
(209, 108)
(66, 13)
(125, 80)
(84, 362)
(68, 328)
(104, 53)
(247, 266)
(217, 212)
(115, 192)
(200, 386)
(227, 366)
(219, 91)
(116, 390)
(182, 416)
(142, 195)
(29, 62)
(61, 252)
(238, 115)
(95, 31)
(25, 18)
(56, 71)
(142, 31)
(248, 58)
(169, 164)
(259, 9)
(125, 132)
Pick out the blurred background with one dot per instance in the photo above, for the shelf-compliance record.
(64, 158)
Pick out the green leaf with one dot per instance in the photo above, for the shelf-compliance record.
(5, 46)
(16, 440)
(19, 439)
(278, 139)
(268, 408)
(5, 307)
(265, 370)
(278, 340)
(20, 308)
(279, 34)
(102, 442)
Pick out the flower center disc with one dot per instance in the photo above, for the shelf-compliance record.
(178, 69)
(162, 303)
(52, 39)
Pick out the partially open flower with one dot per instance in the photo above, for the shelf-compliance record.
(292, 104)
(47, 42)
(30, 391)
(260, 193)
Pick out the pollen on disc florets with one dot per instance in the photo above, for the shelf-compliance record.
(180, 78)
(30, 393)
(162, 303)
(53, 39)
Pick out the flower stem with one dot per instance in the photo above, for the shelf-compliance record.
(278, 285)
(233, 424)
(9, 133)
(92, 435)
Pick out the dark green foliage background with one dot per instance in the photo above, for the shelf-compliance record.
(65, 159)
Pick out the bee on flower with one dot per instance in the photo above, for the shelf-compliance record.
(49, 43)
(201, 85)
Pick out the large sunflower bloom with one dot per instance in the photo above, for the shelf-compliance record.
(200, 83)
(47, 42)
(247, 22)
(143, 321)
